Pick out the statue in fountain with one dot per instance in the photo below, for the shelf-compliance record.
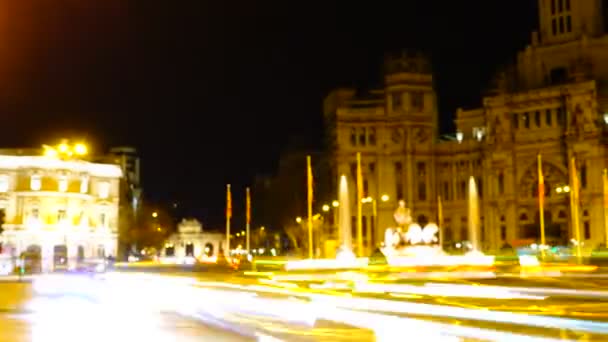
(408, 236)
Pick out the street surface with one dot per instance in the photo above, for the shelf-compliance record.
(287, 306)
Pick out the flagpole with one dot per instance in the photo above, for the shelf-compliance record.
(310, 194)
(541, 205)
(359, 207)
(605, 181)
(248, 214)
(440, 220)
(574, 208)
(228, 216)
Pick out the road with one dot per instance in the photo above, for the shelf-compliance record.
(342, 306)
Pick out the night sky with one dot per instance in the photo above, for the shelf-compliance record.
(212, 91)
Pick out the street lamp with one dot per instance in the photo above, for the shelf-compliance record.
(562, 189)
(298, 219)
(335, 204)
(155, 214)
(385, 198)
(326, 207)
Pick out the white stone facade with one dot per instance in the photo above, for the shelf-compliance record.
(191, 241)
(65, 211)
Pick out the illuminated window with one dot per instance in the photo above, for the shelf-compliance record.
(84, 185)
(35, 182)
(61, 215)
(103, 189)
(63, 183)
(35, 214)
(3, 183)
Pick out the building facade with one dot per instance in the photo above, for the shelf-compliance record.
(553, 100)
(191, 243)
(61, 211)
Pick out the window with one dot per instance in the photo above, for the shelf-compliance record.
(554, 26)
(421, 166)
(537, 118)
(526, 118)
(364, 226)
(63, 183)
(501, 183)
(84, 185)
(446, 191)
(587, 230)
(417, 100)
(567, 2)
(463, 190)
(399, 191)
(398, 168)
(353, 170)
(362, 136)
(61, 215)
(35, 182)
(548, 117)
(559, 75)
(503, 233)
(372, 167)
(560, 6)
(515, 121)
(396, 101)
(561, 25)
(103, 189)
(372, 136)
(3, 183)
(584, 176)
(353, 136)
(561, 116)
(553, 6)
(479, 184)
(35, 213)
(568, 23)
(103, 220)
(422, 191)
(365, 188)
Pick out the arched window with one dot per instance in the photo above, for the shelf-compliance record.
(422, 220)
(523, 217)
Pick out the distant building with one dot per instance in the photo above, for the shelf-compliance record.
(190, 241)
(131, 195)
(60, 210)
(553, 100)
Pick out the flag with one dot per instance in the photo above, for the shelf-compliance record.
(248, 206)
(228, 202)
(541, 185)
(309, 178)
(439, 212)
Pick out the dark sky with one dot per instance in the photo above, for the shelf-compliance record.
(211, 91)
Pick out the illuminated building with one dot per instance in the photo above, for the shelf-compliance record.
(58, 206)
(191, 242)
(552, 100)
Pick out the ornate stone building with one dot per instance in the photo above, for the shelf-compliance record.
(553, 100)
(58, 210)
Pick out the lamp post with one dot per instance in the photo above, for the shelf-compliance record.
(374, 203)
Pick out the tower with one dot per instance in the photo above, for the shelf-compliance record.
(565, 20)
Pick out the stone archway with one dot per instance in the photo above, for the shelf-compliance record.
(553, 177)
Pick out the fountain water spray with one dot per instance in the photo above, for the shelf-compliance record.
(344, 221)
(473, 216)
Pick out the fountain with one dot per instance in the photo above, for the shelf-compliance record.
(473, 216)
(344, 222)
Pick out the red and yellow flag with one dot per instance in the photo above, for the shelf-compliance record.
(541, 184)
(248, 206)
(228, 202)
